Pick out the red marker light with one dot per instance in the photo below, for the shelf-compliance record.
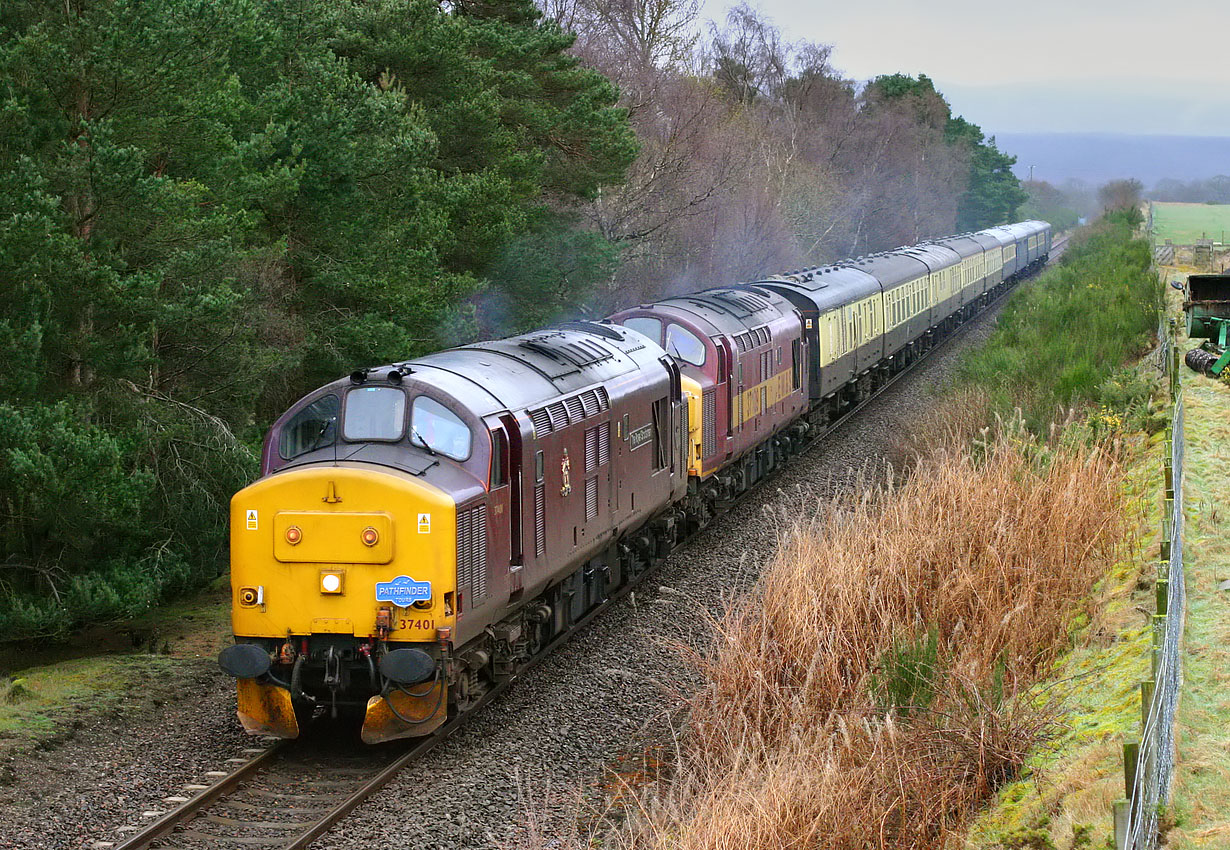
(293, 535)
(370, 536)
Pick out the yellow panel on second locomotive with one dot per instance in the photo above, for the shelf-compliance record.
(333, 538)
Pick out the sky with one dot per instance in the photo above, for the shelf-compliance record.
(1076, 66)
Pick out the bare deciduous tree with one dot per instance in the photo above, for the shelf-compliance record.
(756, 154)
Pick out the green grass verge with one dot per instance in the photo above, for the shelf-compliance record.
(1183, 224)
(1072, 339)
(1068, 338)
(1202, 781)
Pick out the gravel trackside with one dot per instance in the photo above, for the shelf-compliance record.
(110, 767)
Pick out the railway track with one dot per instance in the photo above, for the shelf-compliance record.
(285, 797)
(291, 793)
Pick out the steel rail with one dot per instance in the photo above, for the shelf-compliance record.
(184, 812)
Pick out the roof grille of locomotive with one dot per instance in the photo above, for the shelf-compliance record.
(559, 347)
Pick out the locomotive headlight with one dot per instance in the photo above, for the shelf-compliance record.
(331, 582)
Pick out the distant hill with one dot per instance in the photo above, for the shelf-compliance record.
(1097, 157)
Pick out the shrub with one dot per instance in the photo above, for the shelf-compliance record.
(1066, 340)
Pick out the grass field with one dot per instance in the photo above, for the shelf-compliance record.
(1183, 224)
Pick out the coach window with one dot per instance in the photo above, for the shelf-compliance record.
(314, 427)
(436, 428)
(374, 413)
(646, 325)
(682, 343)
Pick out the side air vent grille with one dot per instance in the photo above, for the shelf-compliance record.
(472, 556)
(561, 414)
(591, 449)
(576, 409)
(591, 498)
(540, 520)
(589, 402)
(708, 423)
(604, 443)
(541, 420)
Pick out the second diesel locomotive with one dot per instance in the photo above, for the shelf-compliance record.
(423, 530)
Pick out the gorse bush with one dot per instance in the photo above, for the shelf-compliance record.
(1067, 339)
(908, 673)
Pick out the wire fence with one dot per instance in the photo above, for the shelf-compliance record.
(1161, 357)
(1149, 763)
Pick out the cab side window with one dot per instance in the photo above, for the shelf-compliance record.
(499, 459)
(314, 427)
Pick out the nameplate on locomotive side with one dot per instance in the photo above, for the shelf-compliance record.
(403, 591)
(640, 437)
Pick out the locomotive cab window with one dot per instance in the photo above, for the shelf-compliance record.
(682, 343)
(436, 428)
(314, 427)
(646, 325)
(374, 413)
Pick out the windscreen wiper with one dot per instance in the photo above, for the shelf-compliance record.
(421, 442)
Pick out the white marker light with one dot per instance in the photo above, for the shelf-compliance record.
(330, 583)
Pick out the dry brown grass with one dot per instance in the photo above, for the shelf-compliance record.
(959, 420)
(790, 743)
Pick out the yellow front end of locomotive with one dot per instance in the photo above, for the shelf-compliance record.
(353, 550)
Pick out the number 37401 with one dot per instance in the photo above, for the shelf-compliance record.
(413, 623)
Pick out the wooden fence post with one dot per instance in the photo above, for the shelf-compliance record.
(1121, 814)
(1131, 754)
(1146, 704)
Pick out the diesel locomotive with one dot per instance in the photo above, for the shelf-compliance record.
(423, 530)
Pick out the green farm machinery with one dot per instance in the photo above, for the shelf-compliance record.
(1207, 307)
